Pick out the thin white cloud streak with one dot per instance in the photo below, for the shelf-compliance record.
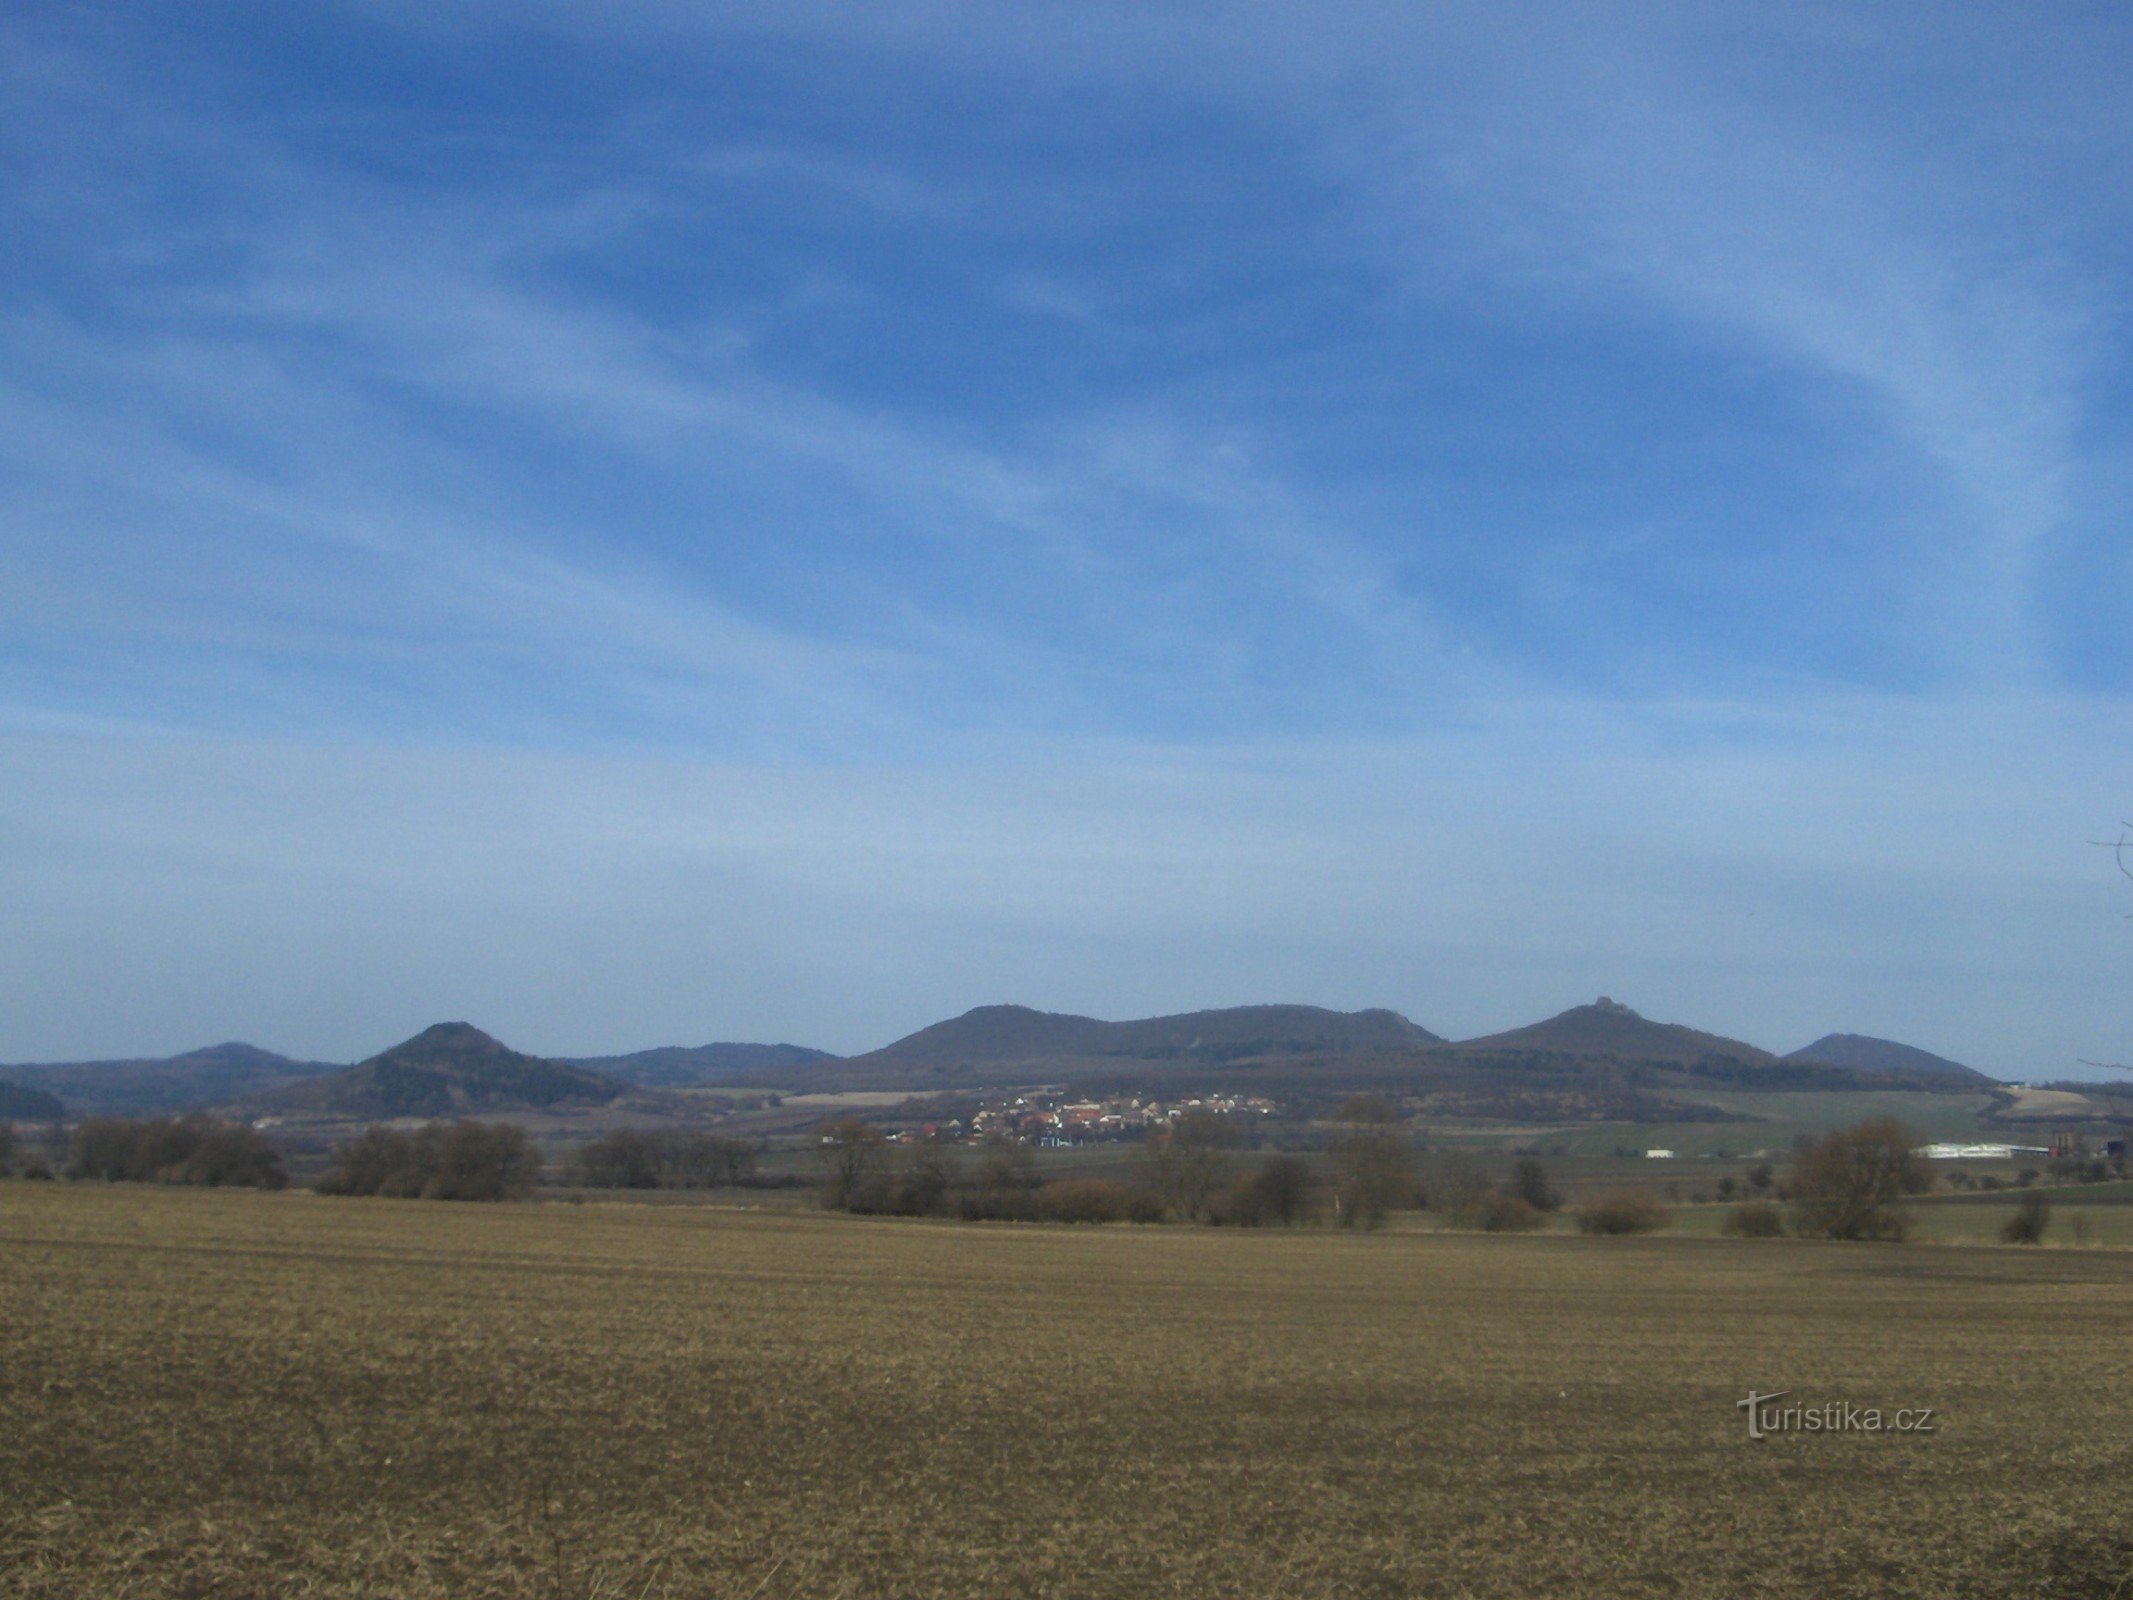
(227, 571)
(1613, 156)
(429, 301)
(1786, 180)
(203, 555)
(1614, 159)
(1774, 870)
(1895, 868)
(1093, 501)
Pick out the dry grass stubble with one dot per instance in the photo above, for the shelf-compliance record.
(234, 1394)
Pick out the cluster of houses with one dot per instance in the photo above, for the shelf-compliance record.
(1053, 1121)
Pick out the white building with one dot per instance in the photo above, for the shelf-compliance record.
(1978, 1152)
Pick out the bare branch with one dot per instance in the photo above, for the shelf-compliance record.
(2121, 849)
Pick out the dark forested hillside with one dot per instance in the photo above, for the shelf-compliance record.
(448, 1070)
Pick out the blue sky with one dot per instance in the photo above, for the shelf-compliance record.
(638, 523)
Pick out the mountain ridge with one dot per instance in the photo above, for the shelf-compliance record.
(1610, 1029)
(992, 1043)
(1862, 1052)
(1010, 1032)
(692, 1066)
(20, 1103)
(448, 1069)
(456, 1069)
(213, 1075)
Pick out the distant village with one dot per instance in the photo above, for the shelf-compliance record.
(1053, 1121)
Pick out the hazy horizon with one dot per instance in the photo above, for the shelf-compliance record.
(635, 524)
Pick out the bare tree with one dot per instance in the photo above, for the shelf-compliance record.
(1189, 1161)
(627, 1158)
(463, 1161)
(1278, 1195)
(1372, 1175)
(930, 1172)
(1847, 1185)
(1009, 1165)
(1529, 1181)
(852, 1154)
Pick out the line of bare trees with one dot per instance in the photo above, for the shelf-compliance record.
(863, 1171)
(438, 1161)
(31, 1155)
(637, 1158)
(175, 1150)
(1849, 1184)
(1190, 1171)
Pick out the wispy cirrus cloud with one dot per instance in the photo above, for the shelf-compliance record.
(1920, 276)
(363, 380)
(1107, 506)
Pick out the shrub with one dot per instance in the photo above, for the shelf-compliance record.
(1529, 1181)
(1757, 1219)
(872, 1194)
(1097, 1200)
(1278, 1195)
(1367, 1110)
(995, 1205)
(1493, 1211)
(1070, 1200)
(2032, 1215)
(1622, 1211)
